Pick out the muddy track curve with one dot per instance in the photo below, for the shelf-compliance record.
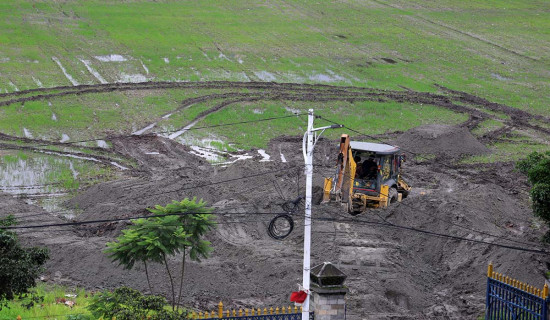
(457, 101)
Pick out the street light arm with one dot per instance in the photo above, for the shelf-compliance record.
(334, 126)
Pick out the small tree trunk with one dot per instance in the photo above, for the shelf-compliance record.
(181, 278)
(147, 275)
(171, 283)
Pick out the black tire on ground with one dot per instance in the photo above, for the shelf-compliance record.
(392, 195)
(352, 210)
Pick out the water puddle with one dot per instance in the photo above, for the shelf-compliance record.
(223, 56)
(73, 171)
(265, 76)
(94, 72)
(207, 153)
(331, 77)
(111, 58)
(182, 131)
(13, 86)
(141, 131)
(242, 76)
(68, 76)
(144, 67)
(265, 156)
(102, 144)
(27, 133)
(38, 83)
(64, 138)
(21, 176)
(134, 78)
(119, 166)
(70, 156)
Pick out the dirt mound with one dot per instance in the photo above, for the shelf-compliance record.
(441, 140)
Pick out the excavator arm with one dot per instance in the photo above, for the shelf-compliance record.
(340, 186)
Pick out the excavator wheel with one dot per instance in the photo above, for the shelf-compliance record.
(392, 196)
(354, 209)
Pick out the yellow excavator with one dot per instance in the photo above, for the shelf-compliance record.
(367, 175)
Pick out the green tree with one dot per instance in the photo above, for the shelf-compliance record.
(19, 267)
(155, 238)
(196, 225)
(537, 168)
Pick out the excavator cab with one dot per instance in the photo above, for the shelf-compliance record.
(368, 175)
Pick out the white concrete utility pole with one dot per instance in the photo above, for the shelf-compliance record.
(308, 158)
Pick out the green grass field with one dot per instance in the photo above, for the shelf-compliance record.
(497, 50)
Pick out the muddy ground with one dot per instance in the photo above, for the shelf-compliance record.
(392, 273)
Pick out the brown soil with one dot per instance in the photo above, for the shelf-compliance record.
(392, 273)
(441, 140)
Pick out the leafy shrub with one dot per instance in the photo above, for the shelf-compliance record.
(128, 304)
(537, 168)
(19, 266)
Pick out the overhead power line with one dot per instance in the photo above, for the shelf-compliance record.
(435, 234)
(132, 218)
(454, 224)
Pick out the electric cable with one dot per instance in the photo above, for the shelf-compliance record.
(160, 132)
(83, 229)
(436, 234)
(77, 223)
(281, 226)
(456, 224)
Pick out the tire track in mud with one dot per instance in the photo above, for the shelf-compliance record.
(399, 96)
(269, 91)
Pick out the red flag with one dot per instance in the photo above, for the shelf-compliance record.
(298, 296)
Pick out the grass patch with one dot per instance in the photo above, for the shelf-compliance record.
(52, 307)
(369, 117)
(424, 157)
(487, 126)
(504, 151)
